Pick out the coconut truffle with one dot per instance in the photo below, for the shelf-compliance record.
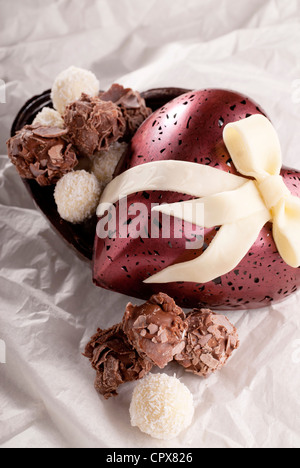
(114, 360)
(93, 124)
(49, 118)
(41, 153)
(156, 329)
(77, 196)
(105, 162)
(70, 84)
(210, 341)
(161, 406)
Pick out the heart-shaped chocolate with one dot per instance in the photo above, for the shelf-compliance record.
(190, 128)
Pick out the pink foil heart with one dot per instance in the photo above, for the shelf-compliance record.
(190, 128)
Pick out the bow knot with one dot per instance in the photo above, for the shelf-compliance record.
(273, 190)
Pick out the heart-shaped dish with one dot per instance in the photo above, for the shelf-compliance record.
(80, 237)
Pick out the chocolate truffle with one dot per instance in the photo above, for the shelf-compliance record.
(210, 341)
(156, 329)
(105, 162)
(70, 84)
(77, 195)
(93, 124)
(161, 406)
(131, 103)
(114, 360)
(41, 153)
(49, 118)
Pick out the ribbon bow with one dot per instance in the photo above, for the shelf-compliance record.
(239, 205)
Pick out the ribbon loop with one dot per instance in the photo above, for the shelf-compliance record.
(286, 230)
(254, 147)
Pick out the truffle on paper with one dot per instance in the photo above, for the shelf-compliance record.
(93, 124)
(41, 153)
(70, 84)
(77, 196)
(156, 329)
(210, 341)
(161, 406)
(114, 360)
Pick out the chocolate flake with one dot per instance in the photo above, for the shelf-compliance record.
(41, 153)
(210, 341)
(155, 329)
(114, 360)
(93, 124)
(132, 105)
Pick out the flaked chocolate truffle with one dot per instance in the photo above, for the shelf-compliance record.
(41, 153)
(131, 103)
(114, 360)
(156, 329)
(93, 124)
(210, 341)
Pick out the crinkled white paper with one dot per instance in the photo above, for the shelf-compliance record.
(49, 307)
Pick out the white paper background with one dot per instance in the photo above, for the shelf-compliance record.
(49, 307)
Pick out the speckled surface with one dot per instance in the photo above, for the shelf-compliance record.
(190, 128)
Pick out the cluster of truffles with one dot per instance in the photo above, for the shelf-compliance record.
(87, 128)
(152, 332)
(155, 334)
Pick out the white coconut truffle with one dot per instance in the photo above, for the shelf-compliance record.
(161, 406)
(106, 161)
(70, 84)
(77, 196)
(49, 118)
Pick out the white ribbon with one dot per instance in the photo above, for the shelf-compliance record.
(239, 205)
